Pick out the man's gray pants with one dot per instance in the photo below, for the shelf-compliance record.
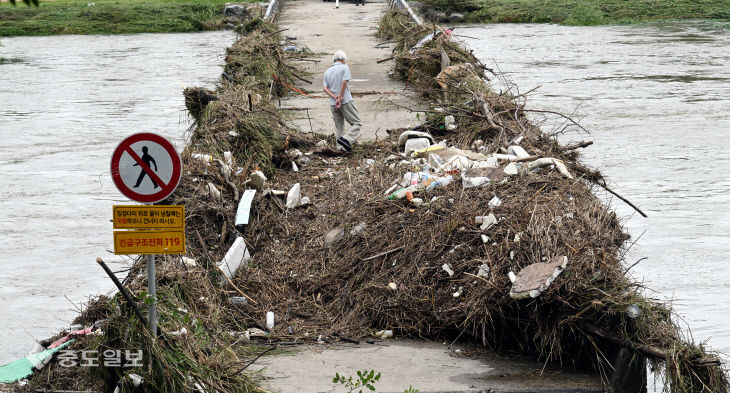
(347, 112)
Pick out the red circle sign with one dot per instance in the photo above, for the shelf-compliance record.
(146, 167)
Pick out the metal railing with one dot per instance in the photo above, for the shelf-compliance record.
(271, 9)
(403, 4)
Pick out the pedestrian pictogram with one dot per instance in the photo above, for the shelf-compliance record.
(146, 167)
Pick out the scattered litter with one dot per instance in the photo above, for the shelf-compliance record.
(238, 300)
(447, 268)
(322, 143)
(294, 167)
(383, 334)
(536, 278)
(258, 180)
(483, 270)
(305, 201)
(236, 256)
(486, 221)
(511, 169)
(270, 320)
(190, 262)
(334, 236)
(518, 151)
(393, 286)
(406, 135)
(495, 202)
(180, 332)
(213, 190)
(458, 292)
(358, 228)
(518, 236)
(485, 239)
(294, 196)
(633, 311)
(546, 162)
(416, 144)
(450, 122)
(244, 208)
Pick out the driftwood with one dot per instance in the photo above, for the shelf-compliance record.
(123, 291)
(578, 145)
(644, 349)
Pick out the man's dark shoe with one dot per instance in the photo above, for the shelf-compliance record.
(344, 143)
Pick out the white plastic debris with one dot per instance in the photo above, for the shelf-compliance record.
(416, 144)
(270, 320)
(518, 151)
(189, 262)
(294, 197)
(512, 276)
(244, 207)
(206, 158)
(393, 286)
(369, 162)
(494, 202)
(294, 167)
(447, 268)
(518, 236)
(322, 143)
(406, 135)
(333, 237)
(305, 201)
(450, 122)
(358, 228)
(383, 334)
(511, 169)
(485, 239)
(236, 256)
(180, 332)
(458, 292)
(258, 180)
(213, 190)
(488, 221)
(633, 311)
(135, 379)
(546, 162)
(483, 270)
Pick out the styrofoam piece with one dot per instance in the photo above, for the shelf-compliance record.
(406, 135)
(236, 256)
(415, 144)
(518, 151)
(244, 207)
(294, 197)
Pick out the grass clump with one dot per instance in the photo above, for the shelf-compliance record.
(111, 17)
(583, 12)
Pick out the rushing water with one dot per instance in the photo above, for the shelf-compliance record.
(63, 110)
(656, 99)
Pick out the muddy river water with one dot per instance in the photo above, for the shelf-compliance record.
(64, 109)
(656, 99)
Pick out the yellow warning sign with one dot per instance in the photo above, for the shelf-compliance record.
(149, 217)
(149, 242)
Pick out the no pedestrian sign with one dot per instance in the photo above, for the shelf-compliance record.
(145, 167)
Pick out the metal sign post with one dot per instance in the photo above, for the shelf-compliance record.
(146, 168)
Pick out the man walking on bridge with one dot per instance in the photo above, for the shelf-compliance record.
(335, 82)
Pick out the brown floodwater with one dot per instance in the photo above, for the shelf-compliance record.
(64, 108)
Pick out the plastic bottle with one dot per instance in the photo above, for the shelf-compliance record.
(270, 320)
(440, 182)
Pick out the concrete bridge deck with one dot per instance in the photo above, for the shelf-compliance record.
(427, 366)
(322, 28)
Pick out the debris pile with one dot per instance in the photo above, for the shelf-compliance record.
(474, 225)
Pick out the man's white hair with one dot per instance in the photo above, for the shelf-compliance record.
(339, 55)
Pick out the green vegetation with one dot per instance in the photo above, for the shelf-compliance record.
(110, 17)
(364, 379)
(584, 12)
